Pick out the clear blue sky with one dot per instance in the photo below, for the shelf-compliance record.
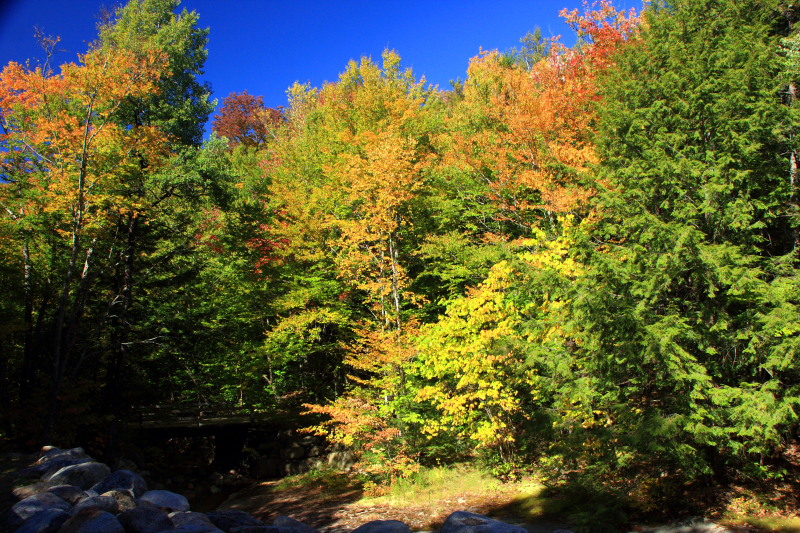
(264, 46)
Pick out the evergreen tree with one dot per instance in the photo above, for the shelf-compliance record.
(678, 319)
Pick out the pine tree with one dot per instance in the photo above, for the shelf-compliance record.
(678, 316)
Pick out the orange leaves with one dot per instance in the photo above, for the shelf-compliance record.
(65, 127)
(528, 133)
(532, 139)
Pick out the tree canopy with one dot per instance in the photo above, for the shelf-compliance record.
(582, 258)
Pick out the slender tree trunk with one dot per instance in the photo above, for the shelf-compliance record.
(60, 349)
(120, 337)
(28, 365)
(5, 393)
(791, 97)
(395, 283)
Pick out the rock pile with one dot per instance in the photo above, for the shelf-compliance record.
(76, 494)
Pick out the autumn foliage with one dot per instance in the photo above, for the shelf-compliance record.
(580, 260)
(244, 119)
(529, 132)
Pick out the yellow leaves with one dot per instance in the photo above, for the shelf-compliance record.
(471, 361)
(351, 165)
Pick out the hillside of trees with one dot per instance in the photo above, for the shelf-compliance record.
(581, 259)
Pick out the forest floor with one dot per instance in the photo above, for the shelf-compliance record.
(341, 506)
(335, 503)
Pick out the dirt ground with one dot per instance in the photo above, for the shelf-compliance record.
(342, 511)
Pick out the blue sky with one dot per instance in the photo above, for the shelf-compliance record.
(264, 46)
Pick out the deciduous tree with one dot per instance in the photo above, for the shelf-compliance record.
(244, 119)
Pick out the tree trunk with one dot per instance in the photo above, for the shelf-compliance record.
(28, 375)
(5, 393)
(120, 336)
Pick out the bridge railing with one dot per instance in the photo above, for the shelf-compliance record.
(192, 415)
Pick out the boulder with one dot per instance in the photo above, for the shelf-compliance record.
(231, 518)
(259, 529)
(102, 503)
(145, 520)
(122, 480)
(287, 522)
(124, 499)
(189, 518)
(83, 475)
(268, 467)
(54, 459)
(26, 491)
(294, 452)
(68, 493)
(92, 521)
(166, 500)
(341, 459)
(383, 526)
(48, 521)
(48, 452)
(316, 451)
(193, 528)
(465, 522)
(33, 505)
(51, 455)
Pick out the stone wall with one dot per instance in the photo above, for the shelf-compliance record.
(271, 454)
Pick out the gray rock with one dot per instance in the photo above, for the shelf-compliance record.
(122, 480)
(51, 455)
(53, 459)
(316, 451)
(83, 475)
(288, 522)
(102, 503)
(465, 522)
(33, 505)
(259, 529)
(124, 499)
(145, 520)
(383, 526)
(164, 499)
(189, 518)
(48, 521)
(694, 525)
(52, 451)
(295, 452)
(68, 493)
(231, 518)
(268, 467)
(26, 491)
(92, 521)
(194, 528)
(341, 460)
(58, 465)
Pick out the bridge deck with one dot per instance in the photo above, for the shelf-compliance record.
(160, 417)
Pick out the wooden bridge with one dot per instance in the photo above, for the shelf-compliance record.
(198, 416)
(226, 429)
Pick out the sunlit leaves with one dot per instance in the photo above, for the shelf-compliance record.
(63, 126)
(528, 132)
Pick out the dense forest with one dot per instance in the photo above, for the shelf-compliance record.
(583, 259)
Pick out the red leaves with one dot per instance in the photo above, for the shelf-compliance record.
(604, 28)
(244, 119)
